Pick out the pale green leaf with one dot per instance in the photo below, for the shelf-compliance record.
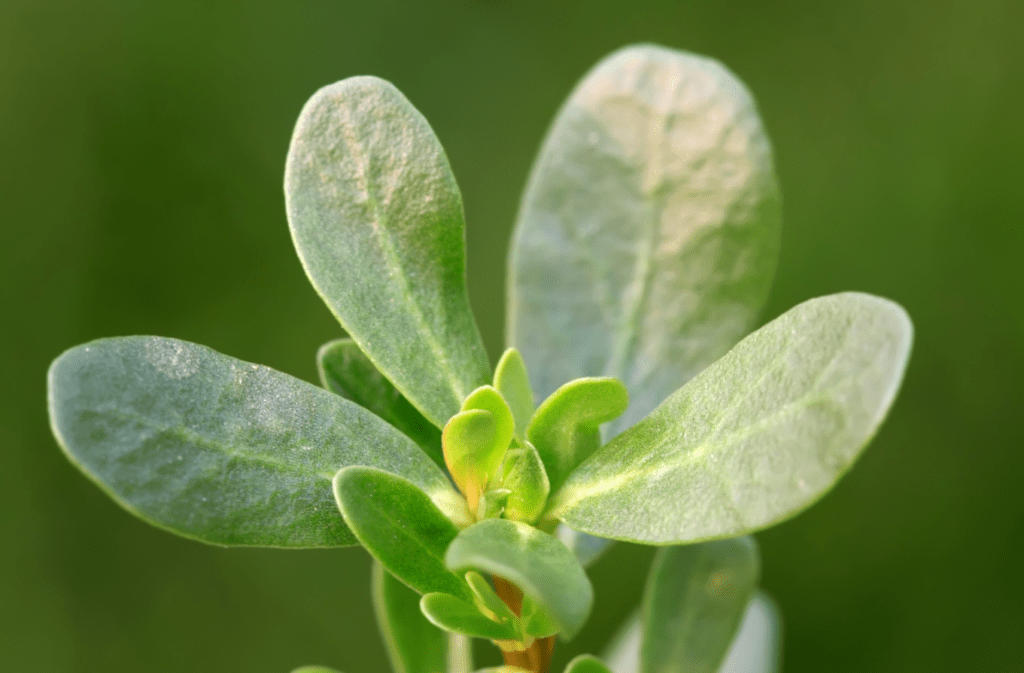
(489, 399)
(458, 616)
(587, 548)
(400, 527)
(468, 439)
(757, 647)
(541, 566)
(538, 622)
(525, 477)
(315, 669)
(565, 426)
(414, 645)
(648, 233)
(346, 371)
(755, 438)
(586, 663)
(512, 381)
(217, 449)
(693, 604)
(377, 220)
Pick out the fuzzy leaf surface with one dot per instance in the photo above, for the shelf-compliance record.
(414, 645)
(346, 371)
(400, 527)
(755, 438)
(217, 449)
(648, 233)
(541, 566)
(458, 616)
(693, 604)
(377, 220)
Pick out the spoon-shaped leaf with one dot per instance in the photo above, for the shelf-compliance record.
(649, 229)
(414, 645)
(586, 663)
(458, 616)
(216, 449)
(693, 604)
(513, 382)
(565, 426)
(489, 399)
(541, 566)
(528, 482)
(376, 218)
(346, 371)
(468, 439)
(757, 647)
(400, 527)
(756, 437)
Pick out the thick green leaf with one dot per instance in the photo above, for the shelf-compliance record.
(756, 437)
(489, 399)
(400, 527)
(346, 371)
(693, 604)
(414, 645)
(512, 381)
(586, 663)
(757, 647)
(565, 426)
(376, 218)
(217, 449)
(458, 616)
(469, 438)
(487, 599)
(525, 477)
(649, 229)
(541, 566)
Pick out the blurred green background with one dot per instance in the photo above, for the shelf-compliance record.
(142, 149)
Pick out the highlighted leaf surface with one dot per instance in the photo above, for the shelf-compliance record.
(217, 449)
(346, 371)
(400, 527)
(649, 230)
(377, 220)
(756, 437)
(541, 566)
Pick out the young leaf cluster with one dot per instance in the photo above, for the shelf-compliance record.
(631, 404)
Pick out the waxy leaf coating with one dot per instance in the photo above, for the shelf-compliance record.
(217, 449)
(513, 382)
(346, 371)
(377, 221)
(400, 527)
(414, 645)
(648, 233)
(756, 437)
(695, 598)
(541, 566)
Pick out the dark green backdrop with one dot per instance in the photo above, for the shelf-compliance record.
(142, 148)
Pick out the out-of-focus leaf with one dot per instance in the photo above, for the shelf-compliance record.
(414, 645)
(757, 647)
(400, 527)
(541, 566)
(346, 371)
(648, 233)
(693, 604)
(377, 220)
(623, 651)
(756, 437)
(587, 548)
(586, 663)
(216, 449)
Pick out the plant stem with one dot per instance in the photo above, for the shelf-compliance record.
(536, 657)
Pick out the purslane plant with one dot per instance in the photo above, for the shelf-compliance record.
(628, 406)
